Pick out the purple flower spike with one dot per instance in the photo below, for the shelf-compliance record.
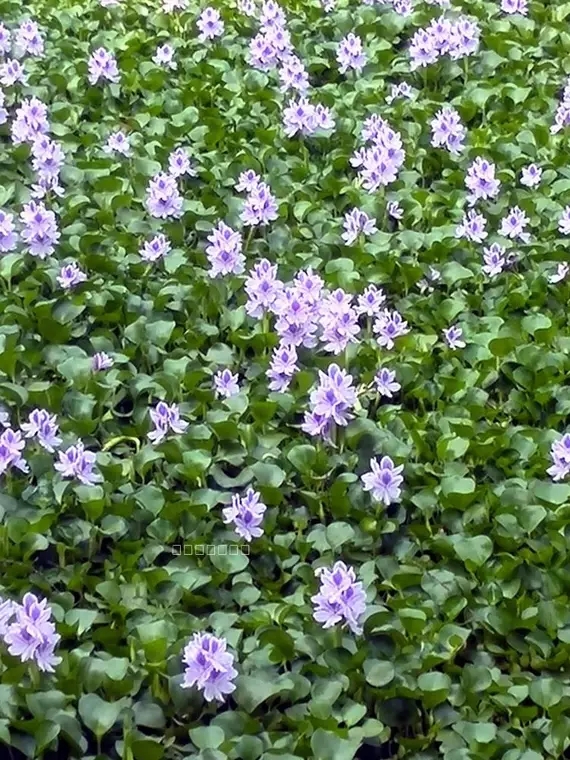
(209, 666)
(78, 463)
(165, 419)
(384, 480)
(32, 635)
(246, 513)
(226, 384)
(341, 598)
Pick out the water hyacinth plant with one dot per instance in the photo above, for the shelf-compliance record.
(284, 347)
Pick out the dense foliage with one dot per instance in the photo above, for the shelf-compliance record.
(431, 464)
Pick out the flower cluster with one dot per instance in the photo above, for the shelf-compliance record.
(163, 199)
(384, 480)
(331, 402)
(209, 666)
(448, 131)
(29, 633)
(350, 54)
(457, 39)
(562, 116)
(246, 513)
(225, 251)
(340, 598)
(165, 419)
(560, 456)
(301, 116)
(379, 163)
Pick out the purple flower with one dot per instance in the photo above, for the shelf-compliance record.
(350, 54)
(531, 175)
(226, 383)
(103, 65)
(293, 75)
(384, 480)
(263, 52)
(40, 233)
(339, 322)
(560, 455)
(11, 71)
(71, 275)
(43, 426)
(464, 38)
(163, 199)
(370, 301)
(101, 361)
(225, 251)
(210, 24)
(47, 158)
(155, 249)
(296, 320)
(118, 142)
(179, 164)
(246, 513)
(357, 223)
(165, 419)
(247, 181)
(262, 288)
(8, 236)
(11, 446)
(28, 39)
(78, 463)
(5, 40)
(453, 336)
(494, 258)
(515, 6)
(423, 49)
(247, 7)
(209, 666)
(341, 598)
(513, 225)
(331, 401)
(283, 367)
(164, 56)
(395, 210)
(402, 90)
(271, 16)
(389, 325)
(32, 635)
(472, 227)
(31, 121)
(561, 273)
(562, 117)
(380, 163)
(481, 181)
(260, 207)
(564, 222)
(385, 381)
(448, 131)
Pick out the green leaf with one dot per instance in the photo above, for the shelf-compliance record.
(474, 550)
(207, 737)
(546, 692)
(378, 673)
(97, 714)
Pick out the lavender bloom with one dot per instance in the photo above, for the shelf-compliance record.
(515, 6)
(560, 455)
(225, 251)
(481, 181)
(324, 118)
(47, 158)
(339, 322)
(390, 325)
(403, 7)
(370, 301)
(78, 463)
(179, 164)
(513, 225)
(101, 361)
(295, 323)
(163, 199)
(385, 380)
(384, 480)
(209, 666)
(11, 71)
(260, 207)
(293, 75)
(31, 121)
(246, 513)
(448, 131)
(357, 223)
(263, 52)
(395, 210)
(402, 90)
(28, 39)
(531, 175)
(350, 54)
(283, 367)
(71, 275)
(165, 419)
(423, 49)
(379, 164)
(164, 56)
(453, 336)
(332, 400)
(262, 288)
(43, 426)
(247, 7)
(210, 24)
(155, 249)
(226, 384)
(472, 227)
(564, 222)
(561, 273)
(103, 65)
(5, 40)
(464, 38)
(562, 117)
(40, 231)
(118, 142)
(32, 635)
(494, 258)
(340, 598)
(11, 446)
(8, 236)
(247, 181)
(299, 116)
